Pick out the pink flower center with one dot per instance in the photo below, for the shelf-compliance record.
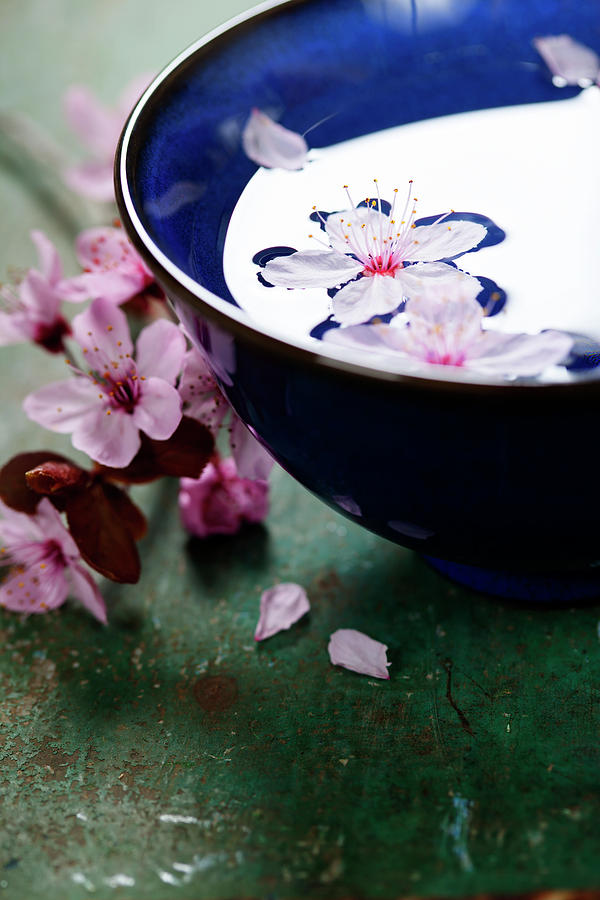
(379, 265)
(381, 243)
(445, 359)
(123, 393)
(45, 554)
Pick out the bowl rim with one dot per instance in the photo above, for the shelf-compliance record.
(235, 320)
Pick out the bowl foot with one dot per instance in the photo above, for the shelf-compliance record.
(557, 588)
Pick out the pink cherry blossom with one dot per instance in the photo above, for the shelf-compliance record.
(98, 128)
(204, 401)
(267, 143)
(280, 607)
(569, 61)
(219, 502)
(113, 268)
(46, 565)
(444, 328)
(122, 392)
(358, 652)
(32, 308)
(393, 256)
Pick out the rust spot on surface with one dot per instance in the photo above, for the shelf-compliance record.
(215, 693)
(53, 763)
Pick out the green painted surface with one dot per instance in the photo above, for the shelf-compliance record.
(168, 755)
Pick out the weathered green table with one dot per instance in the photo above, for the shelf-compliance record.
(168, 755)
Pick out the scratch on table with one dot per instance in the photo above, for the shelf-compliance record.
(463, 719)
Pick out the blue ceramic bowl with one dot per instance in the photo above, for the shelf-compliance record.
(495, 483)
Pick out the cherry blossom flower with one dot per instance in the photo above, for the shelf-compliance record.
(204, 401)
(391, 255)
(106, 408)
(444, 328)
(219, 502)
(32, 308)
(113, 268)
(358, 652)
(46, 565)
(280, 607)
(98, 128)
(569, 62)
(267, 143)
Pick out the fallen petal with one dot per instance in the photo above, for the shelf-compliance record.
(358, 652)
(280, 607)
(269, 144)
(569, 61)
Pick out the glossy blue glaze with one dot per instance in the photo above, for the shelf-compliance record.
(500, 478)
(503, 483)
(331, 61)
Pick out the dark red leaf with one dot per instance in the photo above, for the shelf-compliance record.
(14, 490)
(53, 477)
(183, 455)
(130, 514)
(104, 537)
(187, 451)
